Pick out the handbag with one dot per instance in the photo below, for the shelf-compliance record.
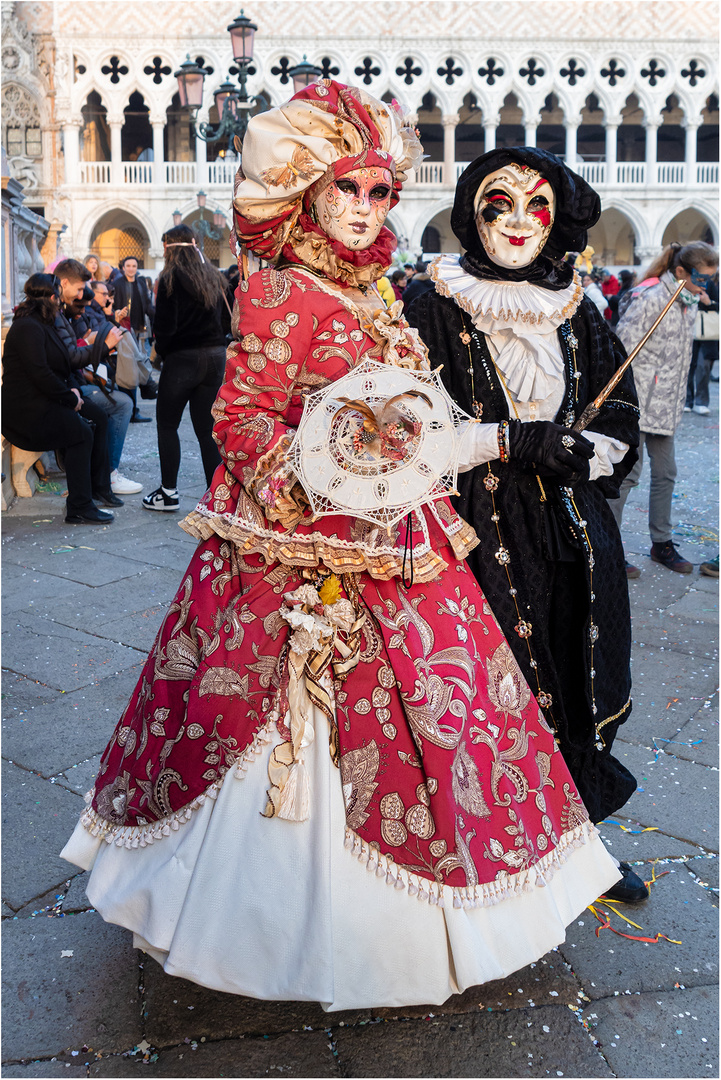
(132, 368)
(706, 327)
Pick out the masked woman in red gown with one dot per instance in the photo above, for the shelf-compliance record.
(329, 784)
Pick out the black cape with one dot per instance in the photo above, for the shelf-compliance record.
(565, 604)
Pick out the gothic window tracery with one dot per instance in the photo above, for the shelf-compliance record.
(408, 70)
(21, 134)
(368, 70)
(572, 71)
(491, 71)
(693, 72)
(157, 69)
(613, 72)
(450, 72)
(653, 72)
(532, 71)
(114, 69)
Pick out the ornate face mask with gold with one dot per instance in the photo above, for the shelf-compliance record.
(515, 208)
(353, 208)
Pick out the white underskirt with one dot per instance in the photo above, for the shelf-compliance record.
(283, 911)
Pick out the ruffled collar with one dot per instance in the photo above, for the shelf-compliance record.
(498, 305)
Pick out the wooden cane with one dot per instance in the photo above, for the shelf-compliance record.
(592, 410)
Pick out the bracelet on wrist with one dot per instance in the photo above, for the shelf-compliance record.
(504, 451)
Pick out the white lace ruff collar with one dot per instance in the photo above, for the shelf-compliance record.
(499, 305)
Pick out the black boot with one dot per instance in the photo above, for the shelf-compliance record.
(629, 890)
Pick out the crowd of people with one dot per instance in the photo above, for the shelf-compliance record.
(82, 347)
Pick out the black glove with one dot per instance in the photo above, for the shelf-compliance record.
(540, 443)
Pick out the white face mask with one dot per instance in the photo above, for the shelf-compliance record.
(515, 208)
(353, 208)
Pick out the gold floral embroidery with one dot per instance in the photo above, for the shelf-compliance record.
(358, 769)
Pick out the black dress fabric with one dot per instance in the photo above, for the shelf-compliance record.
(549, 557)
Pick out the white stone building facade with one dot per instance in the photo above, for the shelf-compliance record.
(625, 90)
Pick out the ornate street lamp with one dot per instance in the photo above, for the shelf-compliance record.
(303, 74)
(233, 102)
(177, 217)
(203, 228)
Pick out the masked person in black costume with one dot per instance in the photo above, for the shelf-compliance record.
(525, 352)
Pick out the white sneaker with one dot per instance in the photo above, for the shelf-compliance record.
(702, 410)
(120, 485)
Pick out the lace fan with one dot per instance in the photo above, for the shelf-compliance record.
(378, 443)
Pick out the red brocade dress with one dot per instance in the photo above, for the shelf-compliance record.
(330, 788)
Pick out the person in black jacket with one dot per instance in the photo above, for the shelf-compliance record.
(524, 351)
(190, 339)
(134, 310)
(42, 407)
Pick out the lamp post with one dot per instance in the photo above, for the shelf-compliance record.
(234, 103)
(203, 228)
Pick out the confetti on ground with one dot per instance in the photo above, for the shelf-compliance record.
(603, 916)
(634, 832)
(66, 952)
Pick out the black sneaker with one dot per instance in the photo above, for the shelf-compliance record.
(158, 500)
(667, 555)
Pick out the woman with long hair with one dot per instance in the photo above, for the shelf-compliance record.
(42, 407)
(92, 262)
(661, 374)
(190, 340)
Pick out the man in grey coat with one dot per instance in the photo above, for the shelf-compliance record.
(660, 371)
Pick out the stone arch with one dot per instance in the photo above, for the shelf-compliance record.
(687, 221)
(591, 136)
(671, 137)
(137, 134)
(511, 130)
(94, 133)
(616, 236)
(551, 132)
(441, 209)
(115, 214)
(631, 135)
(430, 126)
(470, 134)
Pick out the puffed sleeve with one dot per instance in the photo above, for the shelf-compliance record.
(258, 406)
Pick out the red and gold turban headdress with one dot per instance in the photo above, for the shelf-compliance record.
(290, 154)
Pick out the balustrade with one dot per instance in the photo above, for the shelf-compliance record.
(180, 173)
(95, 172)
(670, 172)
(138, 172)
(707, 172)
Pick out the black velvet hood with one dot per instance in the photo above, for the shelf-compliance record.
(578, 207)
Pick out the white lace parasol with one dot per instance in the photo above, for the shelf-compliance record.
(378, 443)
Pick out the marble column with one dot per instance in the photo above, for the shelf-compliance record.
(651, 124)
(158, 127)
(572, 127)
(691, 124)
(490, 127)
(611, 150)
(115, 124)
(530, 132)
(450, 123)
(71, 150)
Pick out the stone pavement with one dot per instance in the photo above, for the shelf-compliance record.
(81, 607)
